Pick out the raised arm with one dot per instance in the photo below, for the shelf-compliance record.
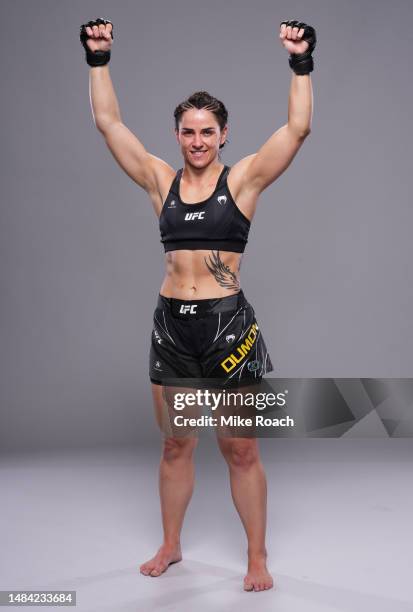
(146, 170)
(259, 170)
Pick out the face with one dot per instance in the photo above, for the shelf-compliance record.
(200, 136)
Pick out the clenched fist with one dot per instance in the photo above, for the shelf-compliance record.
(96, 37)
(300, 40)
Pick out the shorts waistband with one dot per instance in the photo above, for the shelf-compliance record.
(195, 309)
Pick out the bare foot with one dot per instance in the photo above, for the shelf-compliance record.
(258, 578)
(160, 562)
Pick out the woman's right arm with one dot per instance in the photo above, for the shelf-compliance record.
(148, 171)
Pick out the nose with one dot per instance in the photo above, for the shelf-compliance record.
(197, 142)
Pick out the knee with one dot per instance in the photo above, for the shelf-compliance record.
(240, 454)
(178, 448)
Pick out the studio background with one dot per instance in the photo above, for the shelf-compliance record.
(328, 264)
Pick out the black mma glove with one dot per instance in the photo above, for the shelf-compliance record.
(97, 58)
(302, 63)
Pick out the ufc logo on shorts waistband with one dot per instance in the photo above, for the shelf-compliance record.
(188, 308)
(194, 215)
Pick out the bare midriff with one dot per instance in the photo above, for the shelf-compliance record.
(201, 274)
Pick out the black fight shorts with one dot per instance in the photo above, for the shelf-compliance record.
(215, 339)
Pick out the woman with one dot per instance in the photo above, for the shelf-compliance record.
(202, 320)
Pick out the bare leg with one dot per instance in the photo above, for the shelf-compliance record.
(249, 492)
(176, 484)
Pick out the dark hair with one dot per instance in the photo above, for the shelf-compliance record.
(202, 99)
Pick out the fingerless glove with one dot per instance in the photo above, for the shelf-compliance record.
(97, 58)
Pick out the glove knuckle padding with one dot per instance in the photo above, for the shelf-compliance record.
(97, 58)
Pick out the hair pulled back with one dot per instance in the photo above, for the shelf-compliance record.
(203, 100)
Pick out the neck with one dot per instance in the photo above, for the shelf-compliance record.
(203, 175)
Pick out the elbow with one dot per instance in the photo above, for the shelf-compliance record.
(304, 133)
(100, 124)
(299, 132)
(104, 123)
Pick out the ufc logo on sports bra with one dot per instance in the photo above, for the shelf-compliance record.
(185, 308)
(194, 215)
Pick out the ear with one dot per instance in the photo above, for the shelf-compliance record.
(176, 135)
(224, 134)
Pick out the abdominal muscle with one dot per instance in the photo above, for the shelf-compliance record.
(201, 274)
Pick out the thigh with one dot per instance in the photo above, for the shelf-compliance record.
(236, 412)
(170, 419)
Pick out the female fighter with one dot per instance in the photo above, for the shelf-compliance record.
(203, 325)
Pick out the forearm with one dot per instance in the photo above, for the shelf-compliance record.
(300, 104)
(103, 100)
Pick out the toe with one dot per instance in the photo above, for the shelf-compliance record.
(159, 569)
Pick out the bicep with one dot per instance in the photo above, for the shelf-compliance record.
(272, 159)
(132, 157)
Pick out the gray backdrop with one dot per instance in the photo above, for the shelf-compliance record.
(328, 265)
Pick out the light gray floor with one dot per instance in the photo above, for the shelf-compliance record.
(339, 529)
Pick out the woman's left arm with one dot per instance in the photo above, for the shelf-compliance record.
(300, 106)
(259, 170)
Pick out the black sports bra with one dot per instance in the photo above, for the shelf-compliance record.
(216, 223)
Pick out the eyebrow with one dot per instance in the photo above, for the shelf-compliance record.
(184, 129)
